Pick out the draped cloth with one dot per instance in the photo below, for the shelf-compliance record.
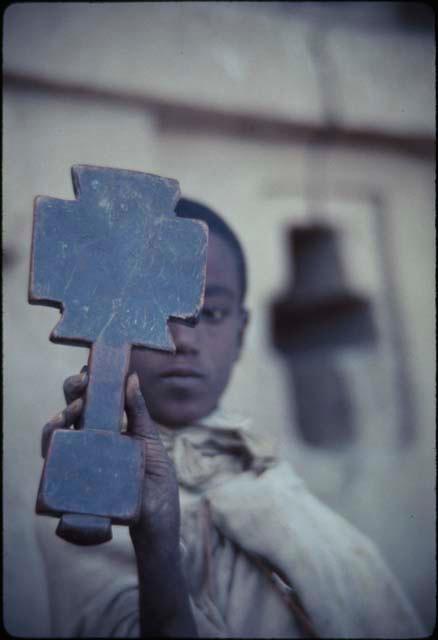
(261, 555)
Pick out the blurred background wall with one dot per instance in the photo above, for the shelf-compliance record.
(311, 127)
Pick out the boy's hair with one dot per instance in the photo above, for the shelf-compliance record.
(192, 209)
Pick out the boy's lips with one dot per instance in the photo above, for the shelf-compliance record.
(182, 371)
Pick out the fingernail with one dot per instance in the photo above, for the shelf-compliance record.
(135, 381)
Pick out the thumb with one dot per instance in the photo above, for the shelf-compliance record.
(140, 423)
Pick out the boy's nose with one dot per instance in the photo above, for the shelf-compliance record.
(184, 335)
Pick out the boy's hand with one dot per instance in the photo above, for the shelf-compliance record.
(74, 388)
(159, 517)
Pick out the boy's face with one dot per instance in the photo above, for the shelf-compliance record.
(186, 386)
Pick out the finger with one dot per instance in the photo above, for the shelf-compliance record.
(139, 421)
(74, 386)
(62, 420)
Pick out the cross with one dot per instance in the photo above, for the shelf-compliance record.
(119, 263)
(319, 314)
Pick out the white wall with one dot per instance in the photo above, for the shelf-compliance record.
(244, 58)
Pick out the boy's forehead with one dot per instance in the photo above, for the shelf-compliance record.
(222, 271)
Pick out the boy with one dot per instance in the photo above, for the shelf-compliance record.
(229, 542)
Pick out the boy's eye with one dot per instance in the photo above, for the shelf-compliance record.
(214, 314)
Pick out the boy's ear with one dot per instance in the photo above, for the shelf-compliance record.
(244, 319)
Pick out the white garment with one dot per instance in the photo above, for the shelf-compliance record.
(262, 556)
